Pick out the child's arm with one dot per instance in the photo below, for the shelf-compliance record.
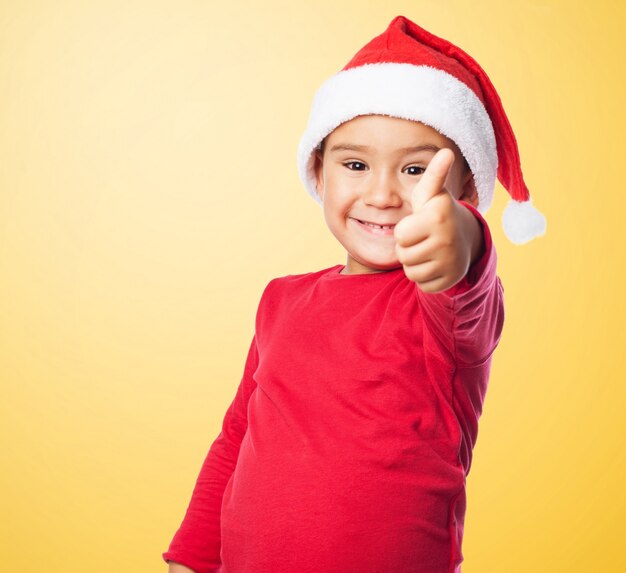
(196, 545)
(469, 316)
(178, 568)
(446, 248)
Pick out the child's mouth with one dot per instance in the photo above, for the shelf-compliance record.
(374, 227)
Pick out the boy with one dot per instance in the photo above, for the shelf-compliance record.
(347, 445)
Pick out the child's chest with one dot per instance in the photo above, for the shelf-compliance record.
(363, 332)
(350, 363)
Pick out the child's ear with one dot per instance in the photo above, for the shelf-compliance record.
(319, 173)
(469, 193)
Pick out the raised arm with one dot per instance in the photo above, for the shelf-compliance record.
(446, 248)
(469, 316)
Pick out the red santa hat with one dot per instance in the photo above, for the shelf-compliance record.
(409, 73)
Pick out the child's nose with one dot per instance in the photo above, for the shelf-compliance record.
(384, 190)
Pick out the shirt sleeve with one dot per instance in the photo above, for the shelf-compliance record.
(197, 542)
(468, 317)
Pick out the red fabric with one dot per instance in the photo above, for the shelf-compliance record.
(405, 42)
(348, 442)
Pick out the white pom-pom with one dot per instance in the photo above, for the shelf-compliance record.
(522, 222)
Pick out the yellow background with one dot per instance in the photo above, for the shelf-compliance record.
(148, 193)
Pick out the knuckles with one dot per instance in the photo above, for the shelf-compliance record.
(436, 222)
(404, 230)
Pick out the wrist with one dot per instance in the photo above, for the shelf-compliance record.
(178, 568)
(474, 235)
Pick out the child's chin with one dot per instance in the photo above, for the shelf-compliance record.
(390, 266)
(380, 264)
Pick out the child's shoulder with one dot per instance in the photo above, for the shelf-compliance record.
(310, 276)
(291, 287)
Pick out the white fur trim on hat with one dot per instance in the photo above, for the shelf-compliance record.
(521, 221)
(419, 93)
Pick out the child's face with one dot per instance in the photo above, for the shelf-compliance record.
(374, 183)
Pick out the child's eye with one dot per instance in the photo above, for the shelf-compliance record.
(420, 170)
(354, 163)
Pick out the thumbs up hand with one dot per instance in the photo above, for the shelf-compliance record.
(440, 240)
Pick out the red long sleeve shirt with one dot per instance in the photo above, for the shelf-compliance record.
(348, 442)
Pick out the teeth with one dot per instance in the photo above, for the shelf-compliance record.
(377, 226)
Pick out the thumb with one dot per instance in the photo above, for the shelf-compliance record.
(432, 180)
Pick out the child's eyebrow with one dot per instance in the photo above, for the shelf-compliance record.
(411, 149)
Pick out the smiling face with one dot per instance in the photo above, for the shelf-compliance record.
(365, 175)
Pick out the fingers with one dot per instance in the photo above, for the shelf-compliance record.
(425, 273)
(432, 180)
(411, 229)
(416, 254)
